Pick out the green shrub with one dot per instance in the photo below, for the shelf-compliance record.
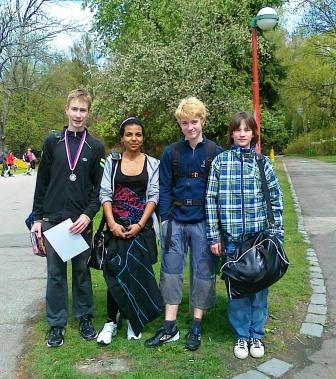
(316, 142)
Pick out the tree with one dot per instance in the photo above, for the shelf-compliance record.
(25, 27)
(308, 94)
(320, 16)
(35, 113)
(176, 49)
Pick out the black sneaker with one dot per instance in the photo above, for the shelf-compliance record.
(86, 329)
(56, 336)
(162, 336)
(193, 340)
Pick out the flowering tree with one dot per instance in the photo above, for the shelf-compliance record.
(162, 51)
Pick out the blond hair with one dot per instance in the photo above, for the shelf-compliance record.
(81, 95)
(189, 108)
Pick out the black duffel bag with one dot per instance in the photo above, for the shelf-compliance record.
(258, 263)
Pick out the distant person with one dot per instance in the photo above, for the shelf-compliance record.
(129, 194)
(236, 209)
(182, 211)
(10, 162)
(67, 186)
(30, 158)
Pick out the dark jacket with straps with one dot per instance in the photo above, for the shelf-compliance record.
(189, 186)
(56, 196)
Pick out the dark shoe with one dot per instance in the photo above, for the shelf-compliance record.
(162, 336)
(193, 340)
(86, 329)
(56, 336)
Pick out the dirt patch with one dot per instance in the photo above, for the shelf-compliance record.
(104, 363)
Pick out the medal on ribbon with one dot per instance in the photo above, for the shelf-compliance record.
(73, 162)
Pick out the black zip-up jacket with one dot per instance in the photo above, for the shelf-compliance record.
(56, 197)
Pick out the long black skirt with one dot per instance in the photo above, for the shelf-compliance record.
(130, 279)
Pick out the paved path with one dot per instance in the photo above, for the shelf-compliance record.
(22, 279)
(315, 187)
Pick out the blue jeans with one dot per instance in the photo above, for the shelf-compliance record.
(248, 315)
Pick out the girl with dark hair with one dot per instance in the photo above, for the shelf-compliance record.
(236, 209)
(129, 194)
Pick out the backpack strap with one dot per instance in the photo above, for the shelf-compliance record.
(176, 158)
(210, 152)
(58, 137)
(210, 149)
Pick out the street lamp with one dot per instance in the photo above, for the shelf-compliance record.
(266, 19)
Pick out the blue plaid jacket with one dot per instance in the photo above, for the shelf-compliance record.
(235, 204)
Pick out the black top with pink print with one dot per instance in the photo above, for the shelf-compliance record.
(129, 199)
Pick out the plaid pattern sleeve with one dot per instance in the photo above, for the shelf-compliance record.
(211, 204)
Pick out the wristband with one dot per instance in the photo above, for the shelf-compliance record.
(140, 225)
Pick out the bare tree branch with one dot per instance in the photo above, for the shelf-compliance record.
(25, 28)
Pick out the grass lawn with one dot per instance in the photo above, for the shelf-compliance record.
(324, 158)
(213, 360)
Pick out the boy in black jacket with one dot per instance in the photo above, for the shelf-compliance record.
(67, 186)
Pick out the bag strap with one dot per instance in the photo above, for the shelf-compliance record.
(102, 223)
(270, 215)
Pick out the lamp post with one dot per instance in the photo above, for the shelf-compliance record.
(266, 19)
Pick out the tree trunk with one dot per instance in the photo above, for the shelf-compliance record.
(3, 119)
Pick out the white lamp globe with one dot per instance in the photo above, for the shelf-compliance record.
(267, 18)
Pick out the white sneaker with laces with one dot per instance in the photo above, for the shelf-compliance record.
(105, 336)
(257, 348)
(130, 333)
(241, 349)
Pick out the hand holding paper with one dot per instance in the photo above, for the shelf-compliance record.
(66, 244)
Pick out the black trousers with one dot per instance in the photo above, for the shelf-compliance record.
(57, 283)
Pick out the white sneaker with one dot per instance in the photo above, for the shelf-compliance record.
(257, 348)
(130, 333)
(241, 349)
(105, 336)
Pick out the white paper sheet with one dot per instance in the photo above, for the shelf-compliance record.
(66, 245)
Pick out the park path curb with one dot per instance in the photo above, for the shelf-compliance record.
(316, 315)
(317, 309)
